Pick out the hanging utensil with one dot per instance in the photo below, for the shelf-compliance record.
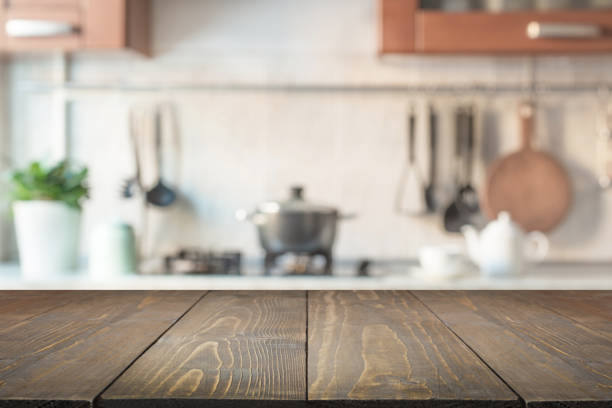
(430, 199)
(160, 195)
(530, 185)
(604, 147)
(456, 215)
(410, 198)
(133, 185)
(467, 194)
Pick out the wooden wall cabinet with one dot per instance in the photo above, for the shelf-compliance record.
(70, 25)
(407, 28)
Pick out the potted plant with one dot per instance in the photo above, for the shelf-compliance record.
(46, 205)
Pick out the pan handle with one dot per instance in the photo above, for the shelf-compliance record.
(526, 113)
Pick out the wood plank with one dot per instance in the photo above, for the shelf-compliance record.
(387, 348)
(548, 359)
(231, 349)
(592, 309)
(17, 307)
(66, 356)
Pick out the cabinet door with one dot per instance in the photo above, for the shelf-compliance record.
(68, 25)
(41, 24)
(471, 27)
(516, 32)
(116, 24)
(42, 3)
(397, 30)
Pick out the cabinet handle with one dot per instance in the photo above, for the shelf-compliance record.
(26, 28)
(537, 30)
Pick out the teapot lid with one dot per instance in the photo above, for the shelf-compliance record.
(504, 220)
(504, 216)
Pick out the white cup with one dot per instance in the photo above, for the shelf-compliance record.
(444, 261)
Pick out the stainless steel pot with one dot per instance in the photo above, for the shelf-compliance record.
(294, 225)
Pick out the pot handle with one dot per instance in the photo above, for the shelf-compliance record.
(348, 216)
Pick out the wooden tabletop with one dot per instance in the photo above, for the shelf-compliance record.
(321, 348)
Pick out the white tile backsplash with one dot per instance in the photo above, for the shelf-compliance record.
(240, 147)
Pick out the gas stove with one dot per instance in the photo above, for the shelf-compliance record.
(298, 263)
(193, 261)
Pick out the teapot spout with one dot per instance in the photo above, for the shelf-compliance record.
(472, 240)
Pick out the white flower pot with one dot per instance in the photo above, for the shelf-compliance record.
(47, 237)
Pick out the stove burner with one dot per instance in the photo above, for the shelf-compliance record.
(199, 262)
(298, 263)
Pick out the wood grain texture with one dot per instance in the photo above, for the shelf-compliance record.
(592, 309)
(547, 358)
(65, 355)
(385, 346)
(231, 349)
(18, 307)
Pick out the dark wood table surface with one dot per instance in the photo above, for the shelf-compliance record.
(317, 348)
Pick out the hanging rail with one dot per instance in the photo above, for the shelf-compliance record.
(449, 89)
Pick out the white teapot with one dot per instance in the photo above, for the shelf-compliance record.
(502, 246)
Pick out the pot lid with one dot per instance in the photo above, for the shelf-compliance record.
(295, 204)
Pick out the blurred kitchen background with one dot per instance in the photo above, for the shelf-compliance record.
(259, 96)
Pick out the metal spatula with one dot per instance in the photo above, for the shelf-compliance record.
(410, 199)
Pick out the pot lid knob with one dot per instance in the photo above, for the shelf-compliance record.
(297, 193)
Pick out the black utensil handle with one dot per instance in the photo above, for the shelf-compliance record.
(470, 144)
(433, 143)
(458, 132)
(411, 137)
(459, 146)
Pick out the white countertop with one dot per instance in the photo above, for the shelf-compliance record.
(553, 276)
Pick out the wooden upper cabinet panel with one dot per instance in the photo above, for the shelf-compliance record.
(66, 42)
(406, 28)
(99, 24)
(439, 32)
(104, 24)
(42, 3)
(116, 24)
(397, 26)
(2, 36)
(138, 31)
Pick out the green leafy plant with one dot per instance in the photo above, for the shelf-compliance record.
(60, 182)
